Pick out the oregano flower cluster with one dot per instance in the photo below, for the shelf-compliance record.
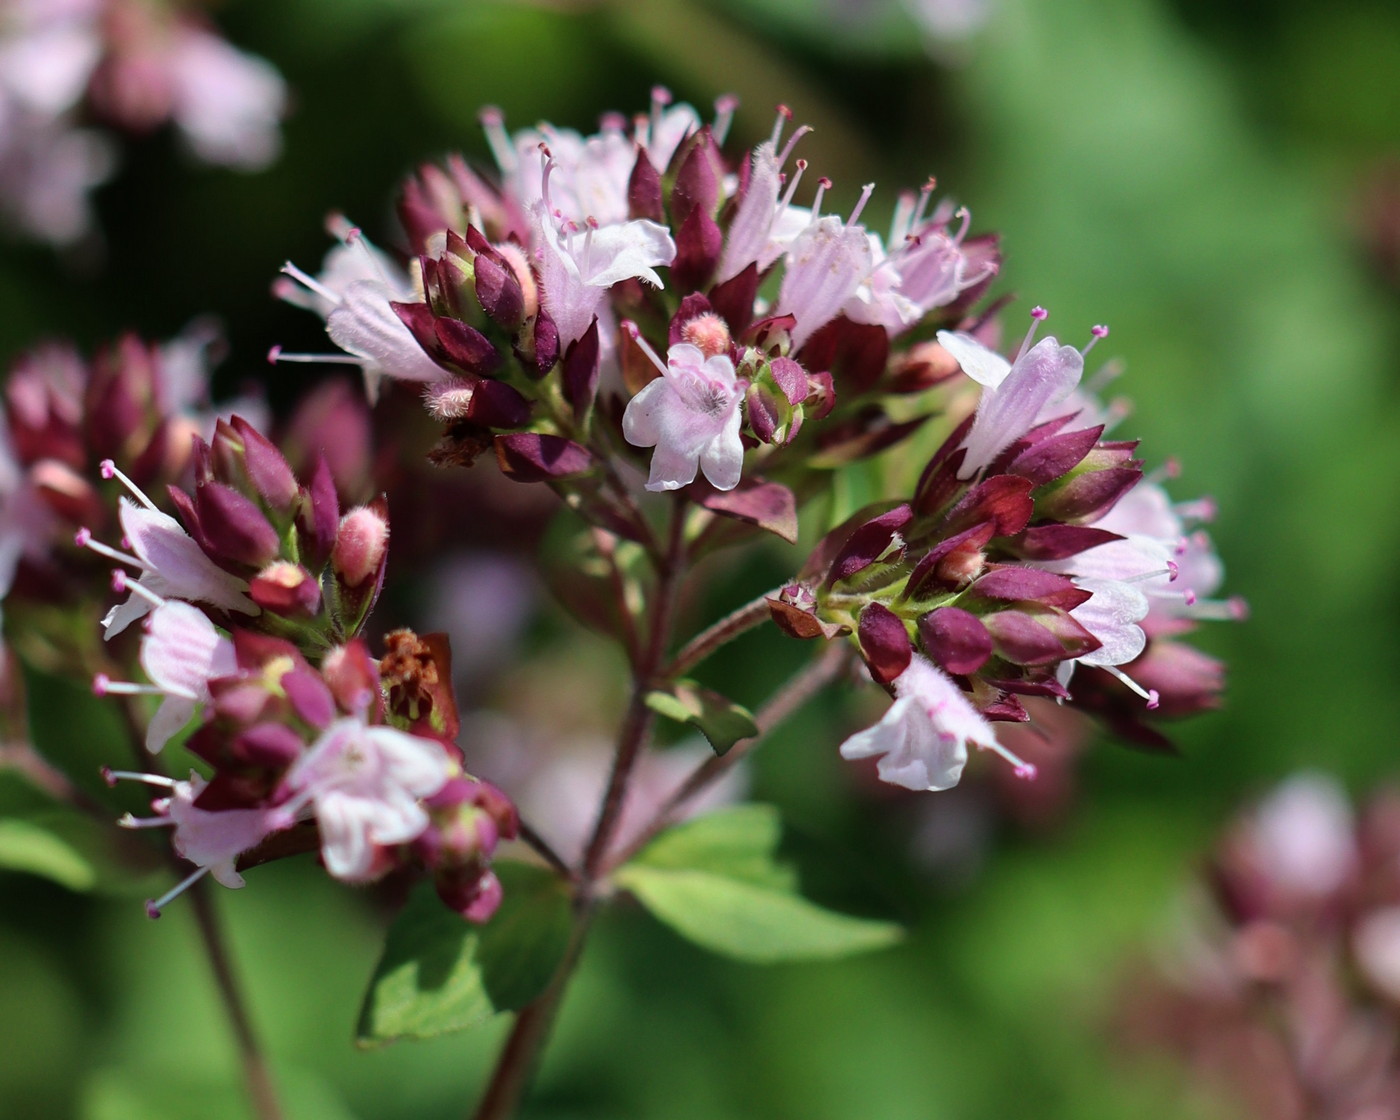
(695, 355)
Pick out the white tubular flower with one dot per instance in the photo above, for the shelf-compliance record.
(1013, 393)
(923, 738)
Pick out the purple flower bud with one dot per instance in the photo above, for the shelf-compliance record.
(268, 471)
(880, 538)
(698, 244)
(884, 641)
(956, 640)
(1013, 583)
(499, 291)
(644, 190)
(580, 371)
(235, 527)
(1058, 542)
(466, 347)
(1088, 496)
(351, 675)
(286, 589)
(1049, 459)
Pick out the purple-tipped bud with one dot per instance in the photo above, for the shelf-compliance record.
(581, 368)
(310, 697)
(1016, 584)
(235, 527)
(1088, 496)
(698, 243)
(499, 291)
(268, 470)
(884, 641)
(698, 176)
(352, 677)
(1039, 637)
(319, 516)
(879, 539)
(466, 347)
(286, 589)
(644, 190)
(956, 640)
(1051, 458)
(361, 546)
(764, 413)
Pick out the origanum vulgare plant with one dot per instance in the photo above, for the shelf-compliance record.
(685, 348)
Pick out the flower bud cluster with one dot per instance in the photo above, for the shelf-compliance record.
(638, 293)
(605, 293)
(135, 404)
(1289, 974)
(251, 601)
(130, 64)
(1033, 560)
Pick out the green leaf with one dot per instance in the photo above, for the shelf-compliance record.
(28, 846)
(440, 973)
(715, 881)
(77, 853)
(718, 718)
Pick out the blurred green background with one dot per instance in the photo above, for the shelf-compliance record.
(1207, 178)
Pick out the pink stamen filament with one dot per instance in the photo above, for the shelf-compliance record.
(111, 777)
(1038, 316)
(1024, 769)
(122, 582)
(153, 908)
(1152, 696)
(110, 469)
(493, 124)
(83, 539)
(277, 354)
(724, 116)
(631, 330)
(310, 283)
(865, 193)
(823, 185)
(1096, 333)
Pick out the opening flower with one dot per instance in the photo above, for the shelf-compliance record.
(691, 415)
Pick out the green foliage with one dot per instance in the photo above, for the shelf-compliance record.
(719, 719)
(76, 852)
(716, 882)
(439, 973)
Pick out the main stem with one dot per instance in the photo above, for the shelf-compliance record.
(533, 1023)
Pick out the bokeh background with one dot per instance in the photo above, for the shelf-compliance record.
(1218, 182)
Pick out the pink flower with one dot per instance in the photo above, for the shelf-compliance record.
(1013, 393)
(691, 415)
(181, 653)
(172, 565)
(355, 293)
(824, 266)
(210, 839)
(365, 784)
(923, 737)
(577, 267)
